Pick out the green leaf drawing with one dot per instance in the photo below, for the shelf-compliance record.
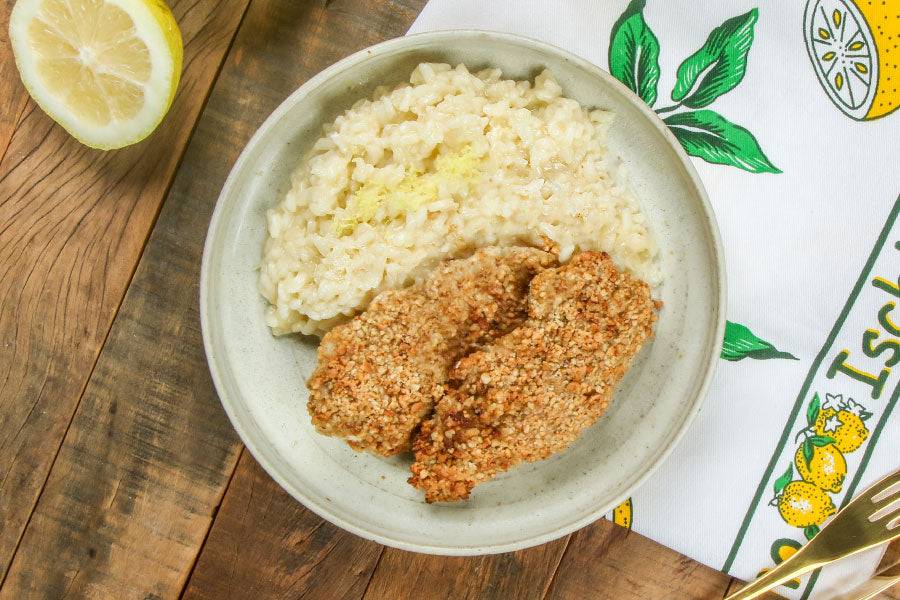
(808, 452)
(822, 440)
(812, 411)
(811, 531)
(785, 479)
(741, 343)
(811, 443)
(723, 58)
(634, 52)
(713, 138)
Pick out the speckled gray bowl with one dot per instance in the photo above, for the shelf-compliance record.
(260, 379)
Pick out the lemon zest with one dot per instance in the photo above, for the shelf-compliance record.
(414, 191)
(463, 165)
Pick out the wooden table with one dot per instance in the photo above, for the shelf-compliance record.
(120, 475)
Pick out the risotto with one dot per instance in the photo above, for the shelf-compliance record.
(434, 169)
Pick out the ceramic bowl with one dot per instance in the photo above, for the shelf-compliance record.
(261, 378)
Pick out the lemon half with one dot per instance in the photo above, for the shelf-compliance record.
(106, 70)
(853, 46)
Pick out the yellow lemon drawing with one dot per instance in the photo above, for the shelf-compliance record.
(106, 70)
(803, 504)
(823, 466)
(622, 514)
(853, 45)
(781, 551)
(847, 429)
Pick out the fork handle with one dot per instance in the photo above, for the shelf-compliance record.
(871, 588)
(798, 564)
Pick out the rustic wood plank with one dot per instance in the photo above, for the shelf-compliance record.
(523, 575)
(266, 545)
(149, 452)
(604, 560)
(73, 222)
(12, 93)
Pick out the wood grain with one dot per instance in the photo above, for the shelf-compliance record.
(604, 561)
(146, 459)
(12, 93)
(73, 223)
(266, 545)
(149, 451)
(523, 575)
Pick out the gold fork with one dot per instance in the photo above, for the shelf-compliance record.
(874, 586)
(872, 518)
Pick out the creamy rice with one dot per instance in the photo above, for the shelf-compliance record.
(433, 169)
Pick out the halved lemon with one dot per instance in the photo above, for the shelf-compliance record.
(106, 70)
(853, 45)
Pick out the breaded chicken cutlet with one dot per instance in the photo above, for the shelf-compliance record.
(534, 390)
(379, 375)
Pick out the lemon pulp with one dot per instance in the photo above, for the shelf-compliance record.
(106, 70)
(853, 48)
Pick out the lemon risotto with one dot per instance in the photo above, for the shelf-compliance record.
(433, 169)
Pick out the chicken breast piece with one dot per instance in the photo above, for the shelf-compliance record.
(537, 388)
(379, 375)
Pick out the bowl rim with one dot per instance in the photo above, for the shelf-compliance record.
(272, 121)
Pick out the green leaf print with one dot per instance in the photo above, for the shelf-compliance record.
(741, 343)
(812, 411)
(724, 54)
(713, 138)
(811, 531)
(634, 53)
(808, 452)
(716, 68)
(821, 440)
(785, 479)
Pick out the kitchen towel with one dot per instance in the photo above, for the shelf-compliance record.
(788, 110)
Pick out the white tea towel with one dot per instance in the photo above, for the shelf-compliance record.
(785, 108)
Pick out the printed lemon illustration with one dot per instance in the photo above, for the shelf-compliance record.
(622, 514)
(847, 429)
(820, 463)
(782, 550)
(106, 70)
(853, 47)
(802, 504)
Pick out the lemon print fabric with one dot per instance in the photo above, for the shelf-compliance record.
(819, 462)
(741, 343)
(844, 424)
(622, 514)
(832, 431)
(106, 70)
(782, 550)
(804, 505)
(853, 46)
(716, 68)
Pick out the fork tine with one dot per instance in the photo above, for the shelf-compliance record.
(894, 524)
(891, 509)
(887, 492)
